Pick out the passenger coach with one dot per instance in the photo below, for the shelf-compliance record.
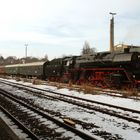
(35, 69)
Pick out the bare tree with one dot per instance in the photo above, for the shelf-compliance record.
(1, 60)
(10, 60)
(87, 50)
(45, 58)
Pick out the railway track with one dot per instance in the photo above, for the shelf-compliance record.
(90, 108)
(35, 123)
(113, 110)
(19, 124)
(110, 92)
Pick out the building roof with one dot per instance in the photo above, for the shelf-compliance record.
(27, 64)
(121, 47)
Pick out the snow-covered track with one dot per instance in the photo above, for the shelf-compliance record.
(19, 124)
(89, 104)
(26, 110)
(18, 85)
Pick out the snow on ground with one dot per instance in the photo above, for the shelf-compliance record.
(109, 124)
(123, 102)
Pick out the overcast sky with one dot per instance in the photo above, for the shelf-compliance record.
(60, 27)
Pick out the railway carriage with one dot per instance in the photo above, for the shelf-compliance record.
(12, 69)
(35, 69)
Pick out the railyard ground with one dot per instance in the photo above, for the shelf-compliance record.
(87, 89)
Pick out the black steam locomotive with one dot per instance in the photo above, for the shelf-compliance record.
(104, 69)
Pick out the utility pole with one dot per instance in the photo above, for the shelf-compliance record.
(112, 32)
(26, 52)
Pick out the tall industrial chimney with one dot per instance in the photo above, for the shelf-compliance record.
(112, 32)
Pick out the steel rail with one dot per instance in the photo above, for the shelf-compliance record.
(74, 97)
(91, 107)
(68, 127)
(20, 125)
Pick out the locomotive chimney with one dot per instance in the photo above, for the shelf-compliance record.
(112, 32)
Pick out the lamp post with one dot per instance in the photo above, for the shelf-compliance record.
(112, 32)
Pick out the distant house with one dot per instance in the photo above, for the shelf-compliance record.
(122, 47)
